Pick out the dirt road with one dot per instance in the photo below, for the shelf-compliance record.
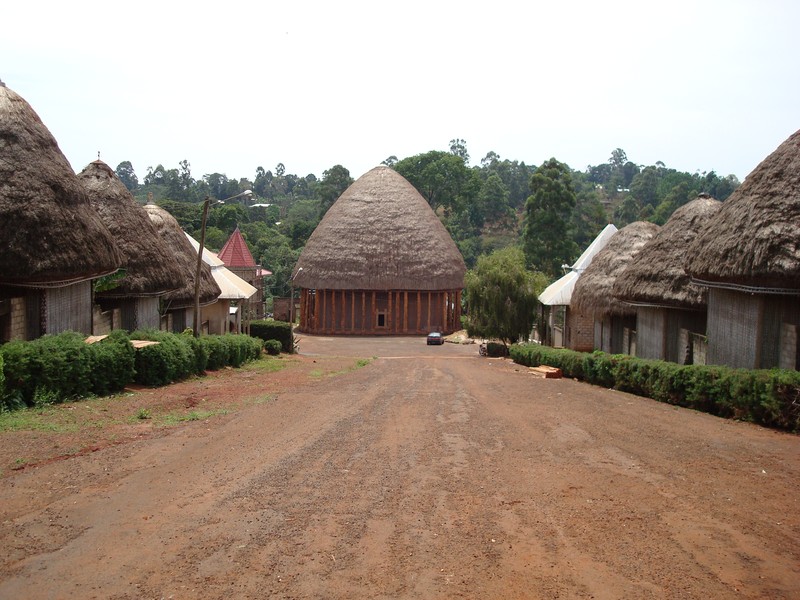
(428, 473)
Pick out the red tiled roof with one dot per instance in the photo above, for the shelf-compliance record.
(235, 252)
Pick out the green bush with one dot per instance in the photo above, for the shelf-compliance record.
(770, 398)
(273, 347)
(218, 352)
(111, 363)
(274, 330)
(496, 349)
(172, 359)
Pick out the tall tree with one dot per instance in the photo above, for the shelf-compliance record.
(441, 177)
(127, 175)
(501, 296)
(547, 238)
(334, 182)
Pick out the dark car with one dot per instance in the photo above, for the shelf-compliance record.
(435, 338)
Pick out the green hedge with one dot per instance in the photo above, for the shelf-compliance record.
(766, 397)
(274, 330)
(55, 368)
(273, 347)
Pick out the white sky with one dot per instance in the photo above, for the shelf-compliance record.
(230, 86)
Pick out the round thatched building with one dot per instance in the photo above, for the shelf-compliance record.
(54, 242)
(748, 256)
(593, 293)
(150, 268)
(670, 309)
(176, 302)
(380, 262)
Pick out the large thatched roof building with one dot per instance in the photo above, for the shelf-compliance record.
(748, 256)
(593, 293)
(150, 268)
(54, 242)
(179, 303)
(380, 262)
(669, 307)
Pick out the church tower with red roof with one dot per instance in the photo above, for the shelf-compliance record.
(237, 257)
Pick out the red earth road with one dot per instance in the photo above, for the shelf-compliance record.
(428, 473)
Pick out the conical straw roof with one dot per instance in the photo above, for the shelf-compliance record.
(150, 266)
(380, 234)
(51, 234)
(656, 275)
(754, 240)
(593, 290)
(182, 250)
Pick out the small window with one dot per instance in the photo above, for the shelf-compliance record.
(381, 319)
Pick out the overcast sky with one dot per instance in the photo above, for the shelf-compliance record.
(230, 86)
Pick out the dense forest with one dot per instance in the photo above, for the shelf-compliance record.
(551, 211)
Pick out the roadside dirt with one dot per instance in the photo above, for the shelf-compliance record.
(427, 473)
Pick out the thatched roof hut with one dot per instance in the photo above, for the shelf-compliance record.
(380, 234)
(655, 276)
(754, 240)
(151, 269)
(181, 248)
(380, 262)
(51, 234)
(593, 293)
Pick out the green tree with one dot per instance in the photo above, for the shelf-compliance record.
(441, 177)
(334, 182)
(127, 175)
(501, 296)
(547, 238)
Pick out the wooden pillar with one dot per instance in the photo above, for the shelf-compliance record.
(324, 312)
(444, 309)
(363, 311)
(373, 317)
(389, 320)
(352, 312)
(405, 312)
(428, 322)
(344, 312)
(419, 312)
(458, 309)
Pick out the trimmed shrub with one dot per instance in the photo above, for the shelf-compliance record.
(496, 349)
(274, 330)
(172, 359)
(111, 363)
(770, 398)
(2, 381)
(273, 347)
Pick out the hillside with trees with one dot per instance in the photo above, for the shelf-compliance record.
(551, 211)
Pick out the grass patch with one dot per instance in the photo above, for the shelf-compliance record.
(268, 364)
(361, 362)
(171, 419)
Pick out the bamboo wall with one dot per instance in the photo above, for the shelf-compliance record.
(373, 312)
(658, 332)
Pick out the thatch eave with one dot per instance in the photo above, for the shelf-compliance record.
(754, 240)
(656, 275)
(186, 256)
(150, 267)
(51, 235)
(593, 293)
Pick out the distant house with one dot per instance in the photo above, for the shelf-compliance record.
(149, 268)
(748, 256)
(380, 263)
(614, 321)
(177, 313)
(54, 243)
(670, 309)
(227, 313)
(239, 260)
(564, 326)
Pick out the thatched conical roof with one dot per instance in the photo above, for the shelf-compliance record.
(181, 248)
(754, 240)
(593, 291)
(380, 234)
(656, 275)
(151, 268)
(51, 235)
